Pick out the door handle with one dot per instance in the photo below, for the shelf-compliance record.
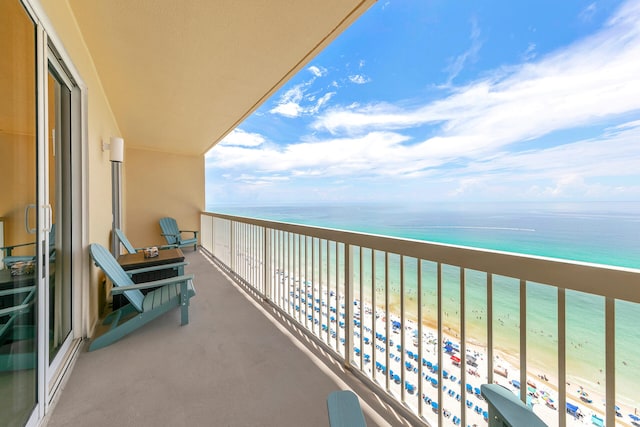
(26, 219)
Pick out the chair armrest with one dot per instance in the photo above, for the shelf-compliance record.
(156, 267)
(15, 291)
(17, 309)
(156, 283)
(195, 232)
(163, 247)
(8, 249)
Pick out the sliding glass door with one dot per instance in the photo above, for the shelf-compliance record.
(59, 89)
(20, 274)
(39, 146)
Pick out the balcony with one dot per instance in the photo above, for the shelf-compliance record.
(340, 299)
(239, 362)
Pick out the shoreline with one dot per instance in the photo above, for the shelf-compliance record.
(503, 358)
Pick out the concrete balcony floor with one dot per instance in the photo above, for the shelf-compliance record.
(238, 363)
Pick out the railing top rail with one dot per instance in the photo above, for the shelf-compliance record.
(608, 281)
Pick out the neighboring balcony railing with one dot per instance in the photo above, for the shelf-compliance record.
(426, 324)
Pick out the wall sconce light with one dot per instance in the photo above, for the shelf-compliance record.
(116, 148)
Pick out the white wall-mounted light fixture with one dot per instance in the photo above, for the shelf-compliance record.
(116, 148)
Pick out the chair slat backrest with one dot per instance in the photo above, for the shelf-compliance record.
(115, 273)
(125, 242)
(169, 227)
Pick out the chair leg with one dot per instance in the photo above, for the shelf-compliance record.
(184, 304)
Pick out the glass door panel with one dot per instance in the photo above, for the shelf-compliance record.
(18, 215)
(59, 164)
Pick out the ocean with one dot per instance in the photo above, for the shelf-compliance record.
(602, 233)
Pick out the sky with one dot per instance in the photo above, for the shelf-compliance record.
(439, 101)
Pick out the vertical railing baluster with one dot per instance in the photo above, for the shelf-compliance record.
(288, 272)
(374, 319)
(403, 346)
(610, 360)
(348, 320)
(420, 340)
(337, 296)
(301, 278)
(266, 255)
(313, 283)
(306, 279)
(523, 341)
(439, 344)
(328, 311)
(489, 328)
(463, 346)
(562, 358)
(280, 265)
(387, 321)
(361, 305)
(232, 247)
(320, 288)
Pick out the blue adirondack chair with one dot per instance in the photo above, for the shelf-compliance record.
(170, 293)
(130, 248)
(344, 409)
(173, 234)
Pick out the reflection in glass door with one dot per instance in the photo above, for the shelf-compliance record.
(19, 272)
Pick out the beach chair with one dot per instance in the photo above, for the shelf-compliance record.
(129, 247)
(173, 234)
(344, 409)
(170, 293)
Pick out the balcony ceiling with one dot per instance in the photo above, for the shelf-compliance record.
(179, 75)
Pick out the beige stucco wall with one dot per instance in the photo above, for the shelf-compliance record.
(101, 125)
(156, 185)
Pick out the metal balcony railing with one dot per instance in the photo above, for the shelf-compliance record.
(426, 324)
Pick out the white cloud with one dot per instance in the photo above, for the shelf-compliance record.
(317, 71)
(289, 103)
(458, 63)
(586, 15)
(483, 136)
(587, 82)
(295, 102)
(530, 53)
(238, 137)
(359, 79)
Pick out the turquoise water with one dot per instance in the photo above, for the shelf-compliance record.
(604, 233)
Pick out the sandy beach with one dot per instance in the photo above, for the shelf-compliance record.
(384, 360)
